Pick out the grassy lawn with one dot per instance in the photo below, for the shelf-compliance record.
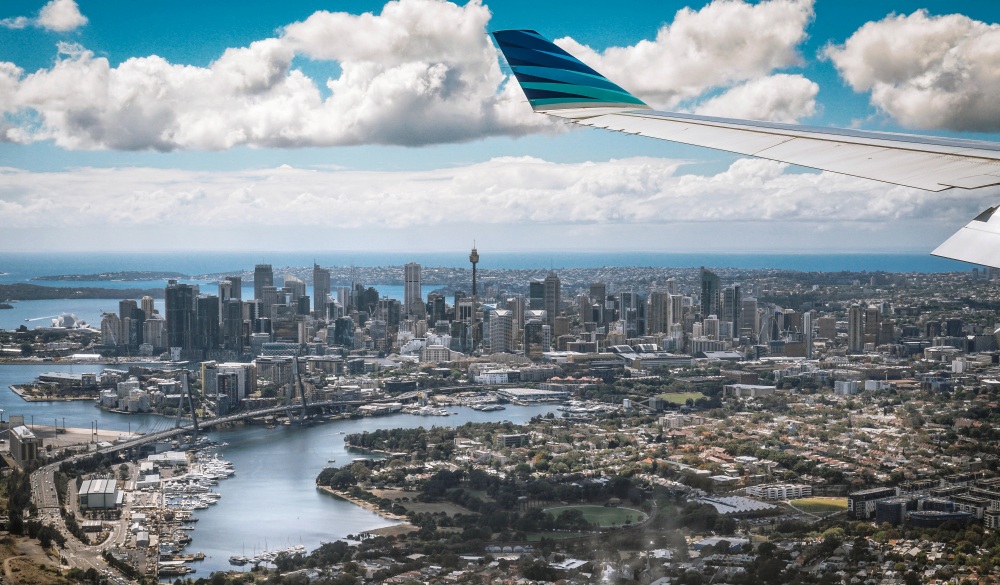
(681, 397)
(605, 517)
(820, 505)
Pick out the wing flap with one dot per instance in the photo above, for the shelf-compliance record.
(974, 182)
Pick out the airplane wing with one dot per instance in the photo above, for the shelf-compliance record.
(558, 84)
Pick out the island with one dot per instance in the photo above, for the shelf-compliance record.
(36, 292)
(123, 275)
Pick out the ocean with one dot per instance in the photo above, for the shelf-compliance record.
(18, 267)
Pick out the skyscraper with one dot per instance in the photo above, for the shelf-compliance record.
(232, 325)
(855, 329)
(748, 317)
(502, 331)
(207, 328)
(598, 292)
(731, 306)
(872, 325)
(179, 303)
(413, 303)
(807, 330)
(262, 276)
(552, 298)
(148, 306)
(659, 312)
(536, 294)
(236, 284)
(711, 288)
(321, 290)
(295, 288)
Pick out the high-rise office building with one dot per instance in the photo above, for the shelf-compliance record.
(321, 290)
(827, 327)
(855, 329)
(872, 326)
(633, 313)
(294, 288)
(748, 317)
(179, 304)
(533, 339)
(263, 276)
(676, 309)
(232, 325)
(148, 307)
(207, 330)
(111, 330)
(536, 294)
(343, 333)
(807, 330)
(658, 320)
(711, 289)
(413, 302)
(132, 318)
(236, 285)
(710, 327)
(269, 298)
(437, 305)
(598, 292)
(502, 331)
(731, 306)
(552, 298)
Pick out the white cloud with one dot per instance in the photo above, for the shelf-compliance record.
(723, 44)
(503, 196)
(421, 72)
(61, 15)
(57, 15)
(926, 71)
(15, 22)
(779, 98)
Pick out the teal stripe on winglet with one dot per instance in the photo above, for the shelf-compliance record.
(566, 76)
(586, 91)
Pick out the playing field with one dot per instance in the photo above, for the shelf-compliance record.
(820, 505)
(681, 397)
(605, 517)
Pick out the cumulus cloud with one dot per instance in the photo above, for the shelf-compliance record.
(420, 72)
(779, 98)
(926, 71)
(721, 45)
(57, 15)
(499, 192)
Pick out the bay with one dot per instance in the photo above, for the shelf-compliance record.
(35, 314)
(272, 501)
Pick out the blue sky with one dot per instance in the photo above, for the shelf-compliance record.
(211, 124)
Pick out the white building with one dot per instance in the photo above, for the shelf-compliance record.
(779, 491)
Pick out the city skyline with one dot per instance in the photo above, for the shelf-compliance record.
(123, 141)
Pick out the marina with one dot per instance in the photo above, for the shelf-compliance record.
(272, 496)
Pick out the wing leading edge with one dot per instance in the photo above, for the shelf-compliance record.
(558, 84)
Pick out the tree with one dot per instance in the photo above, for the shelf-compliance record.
(27, 350)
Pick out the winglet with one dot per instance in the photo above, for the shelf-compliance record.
(558, 83)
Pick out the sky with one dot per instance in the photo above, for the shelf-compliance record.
(357, 125)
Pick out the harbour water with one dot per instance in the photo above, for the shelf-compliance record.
(272, 501)
(40, 313)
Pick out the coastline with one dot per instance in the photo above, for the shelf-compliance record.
(18, 389)
(363, 504)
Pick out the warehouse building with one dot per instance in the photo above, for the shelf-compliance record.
(100, 494)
